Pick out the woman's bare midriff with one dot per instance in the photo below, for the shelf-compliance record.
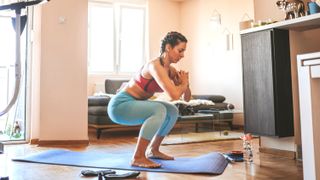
(134, 90)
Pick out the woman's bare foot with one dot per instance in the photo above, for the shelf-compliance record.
(158, 155)
(144, 162)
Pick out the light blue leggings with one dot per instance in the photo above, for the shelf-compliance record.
(156, 117)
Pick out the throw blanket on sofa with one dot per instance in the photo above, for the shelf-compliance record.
(194, 102)
(187, 108)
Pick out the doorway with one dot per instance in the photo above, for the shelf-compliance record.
(12, 124)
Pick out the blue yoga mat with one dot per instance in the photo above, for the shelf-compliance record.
(212, 163)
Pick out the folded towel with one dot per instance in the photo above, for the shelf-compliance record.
(194, 102)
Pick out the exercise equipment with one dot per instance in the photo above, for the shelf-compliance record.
(92, 173)
(20, 22)
(213, 163)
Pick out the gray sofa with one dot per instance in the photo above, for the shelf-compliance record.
(98, 117)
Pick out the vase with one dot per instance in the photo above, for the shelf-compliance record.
(313, 7)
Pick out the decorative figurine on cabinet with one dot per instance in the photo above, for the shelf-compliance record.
(293, 9)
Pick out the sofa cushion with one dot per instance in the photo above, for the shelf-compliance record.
(97, 110)
(99, 120)
(98, 100)
(213, 98)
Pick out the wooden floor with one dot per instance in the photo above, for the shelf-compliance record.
(264, 167)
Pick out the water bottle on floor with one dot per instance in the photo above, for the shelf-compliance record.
(248, 154)
(247, 147)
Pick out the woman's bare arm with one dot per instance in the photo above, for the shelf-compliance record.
(175, 77)
(187, 94)
(161, 77)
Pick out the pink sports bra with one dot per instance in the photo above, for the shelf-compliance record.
(148, 85)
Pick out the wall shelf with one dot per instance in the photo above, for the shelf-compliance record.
(298, 24)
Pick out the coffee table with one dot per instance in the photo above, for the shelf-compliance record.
(197, 118)
(213, 116)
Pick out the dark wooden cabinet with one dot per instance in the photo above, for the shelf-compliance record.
(268, 108)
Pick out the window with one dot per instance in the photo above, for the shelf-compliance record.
(13, 123)
(116, 38)
(101, 38)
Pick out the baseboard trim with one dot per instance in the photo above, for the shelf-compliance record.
(59, 142)
(278, 152)
(237, 127)
(34, 141)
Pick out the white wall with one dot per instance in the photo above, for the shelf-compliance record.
(213, 69)
(63, 72)
(164, 16)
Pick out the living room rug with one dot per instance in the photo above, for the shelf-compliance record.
(201, 137)
(212, 163)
